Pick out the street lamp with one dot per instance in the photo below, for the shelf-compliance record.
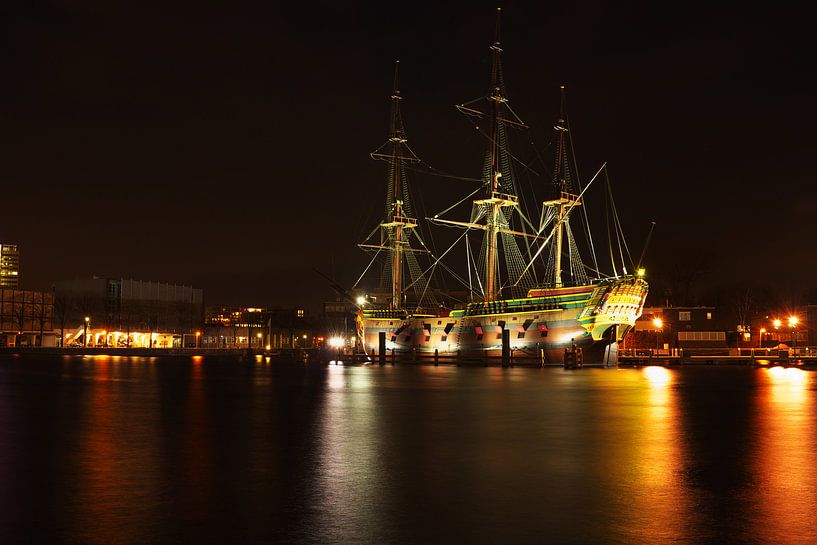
(259, 335)
(85, 337)
(198, 335)
(760, 340)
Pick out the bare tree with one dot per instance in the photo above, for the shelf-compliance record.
(62, 309)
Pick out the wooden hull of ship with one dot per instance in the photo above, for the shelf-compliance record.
(541, 326)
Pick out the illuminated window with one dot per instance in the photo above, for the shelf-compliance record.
(300, 313)
(684, 316)
(708, 315)
(520, 335)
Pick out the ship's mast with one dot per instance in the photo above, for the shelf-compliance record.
(565, 201)
(559, 179)
(497, 195)
(395, 230)
(492, 187)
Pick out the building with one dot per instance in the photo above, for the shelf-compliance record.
(788, 326)
(127, 312)
(259, 328)
(677, 327)
(26, 318)
(9, 266)
(339, 317)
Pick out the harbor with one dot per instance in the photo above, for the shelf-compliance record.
(408, 273)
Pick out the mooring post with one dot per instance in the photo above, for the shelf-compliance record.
(506, 347)
(381, 341)
(436, 356)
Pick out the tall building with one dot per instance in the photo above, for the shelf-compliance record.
(9, 266)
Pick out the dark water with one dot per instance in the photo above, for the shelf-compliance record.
(115, 450)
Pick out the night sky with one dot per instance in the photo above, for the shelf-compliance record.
(228, 148)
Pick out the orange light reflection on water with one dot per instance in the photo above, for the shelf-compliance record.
(651, 460)
(786, 442)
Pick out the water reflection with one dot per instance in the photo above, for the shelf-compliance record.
(653, 493)
(787, 441)
(350, 473)
(111, 450)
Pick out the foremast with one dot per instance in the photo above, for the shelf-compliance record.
(559, 208)
(566, 200)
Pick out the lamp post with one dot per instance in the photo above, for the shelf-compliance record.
(760, 340)
(198, 336)
(659, 324)
(259, 335)
(793, 325)
(85, 336)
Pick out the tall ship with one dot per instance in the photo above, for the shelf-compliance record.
(527, 287)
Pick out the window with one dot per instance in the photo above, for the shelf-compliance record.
(444, 338)
(702, 336)
(544, 333)
(479, 337)
(708, 315)
(684, 316)
(498, 336)
(520, 335)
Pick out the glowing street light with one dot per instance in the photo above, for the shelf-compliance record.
(776, 323)
(361, 300)
(659, 324)
(793, 325)
(85, 337)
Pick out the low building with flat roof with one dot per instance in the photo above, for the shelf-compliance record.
(126, 308)
(677, 327)
(26, 318)
(258, 328)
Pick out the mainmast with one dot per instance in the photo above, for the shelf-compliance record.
(497, 194)
(395, 230)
